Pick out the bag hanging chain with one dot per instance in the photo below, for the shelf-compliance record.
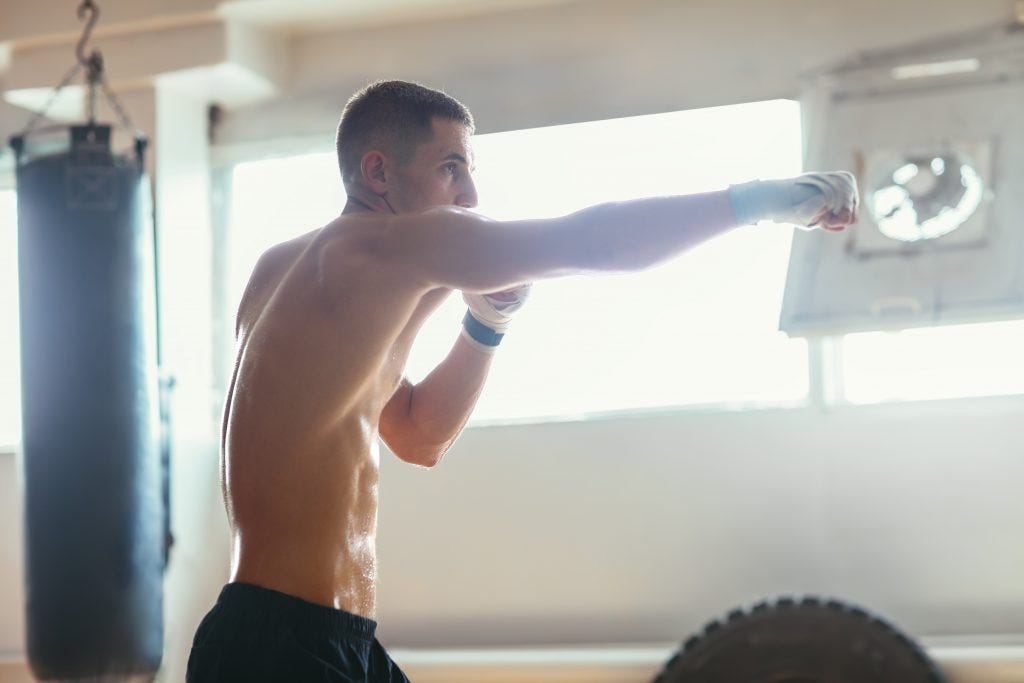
(94, 75)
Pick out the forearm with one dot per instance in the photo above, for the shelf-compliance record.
(440, 405)
(641, 233)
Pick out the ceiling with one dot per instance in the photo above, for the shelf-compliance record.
(35, 23)
(306, 16)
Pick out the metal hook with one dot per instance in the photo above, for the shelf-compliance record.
(93, 63)
(94, 11)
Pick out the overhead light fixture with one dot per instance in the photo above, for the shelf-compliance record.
(931, 69)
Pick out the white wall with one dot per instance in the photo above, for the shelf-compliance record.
(641, 529)
(636, 529)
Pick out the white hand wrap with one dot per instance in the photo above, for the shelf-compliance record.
(489, 316)
(806, 200)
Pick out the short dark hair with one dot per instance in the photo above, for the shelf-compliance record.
(394, 117)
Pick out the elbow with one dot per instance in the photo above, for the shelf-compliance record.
(431, 460)
(426, 457)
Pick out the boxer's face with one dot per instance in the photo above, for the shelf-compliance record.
(440, 172)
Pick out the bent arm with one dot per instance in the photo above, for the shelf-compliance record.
(421, 422)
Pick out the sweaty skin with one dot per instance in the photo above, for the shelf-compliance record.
(324, 330)
(301, 461)
(321, 349)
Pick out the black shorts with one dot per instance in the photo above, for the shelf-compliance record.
(259, 635)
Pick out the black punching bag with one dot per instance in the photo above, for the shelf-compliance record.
(94, 514)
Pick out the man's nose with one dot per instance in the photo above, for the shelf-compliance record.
(467, 198)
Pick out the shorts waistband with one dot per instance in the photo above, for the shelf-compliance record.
(267, 601)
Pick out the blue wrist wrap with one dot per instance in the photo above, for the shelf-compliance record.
(480, 332)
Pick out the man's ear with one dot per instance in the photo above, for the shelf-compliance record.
(373, 166)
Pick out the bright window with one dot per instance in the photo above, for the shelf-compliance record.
(701, 329)
(934, 362)
(10, 387)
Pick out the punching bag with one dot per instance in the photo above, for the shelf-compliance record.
(94, 514)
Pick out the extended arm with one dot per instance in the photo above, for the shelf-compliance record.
(459, 249)
(456, 248)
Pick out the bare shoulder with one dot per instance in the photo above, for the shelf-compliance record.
(347, 270)
(387, 235)
(390, 246)
(448, 247)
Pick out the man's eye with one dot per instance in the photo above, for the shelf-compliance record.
(452, 169)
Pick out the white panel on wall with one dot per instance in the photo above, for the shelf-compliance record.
(936, 139)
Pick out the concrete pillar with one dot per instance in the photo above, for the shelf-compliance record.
(176, 121)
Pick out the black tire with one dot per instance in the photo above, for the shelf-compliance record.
(800, 641)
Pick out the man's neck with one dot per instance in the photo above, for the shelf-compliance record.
(360, 202)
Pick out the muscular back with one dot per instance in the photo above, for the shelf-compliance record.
(317, 360)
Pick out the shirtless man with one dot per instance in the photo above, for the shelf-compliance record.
(324, 330)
